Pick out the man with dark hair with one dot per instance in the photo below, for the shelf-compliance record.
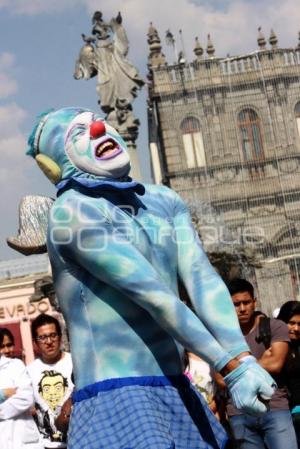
(51, 378)
(239, 285)
(274, 429)
(41, 320)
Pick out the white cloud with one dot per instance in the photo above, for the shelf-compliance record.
(7, 60)
(232, 24)
(12, 149)
(12, 117)
(35, 7)
(4, 3)
(12, 143)
(8, 85)
(18, 174)
(12, 139)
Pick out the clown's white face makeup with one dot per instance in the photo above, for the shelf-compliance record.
(95, 147)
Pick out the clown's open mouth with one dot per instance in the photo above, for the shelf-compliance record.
(107, 149)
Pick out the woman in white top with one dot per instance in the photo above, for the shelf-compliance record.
(17, 427)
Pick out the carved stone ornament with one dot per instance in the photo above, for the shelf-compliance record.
(262, 210)
(288, 165)
(227, 174)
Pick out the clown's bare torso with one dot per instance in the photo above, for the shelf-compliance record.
(111, 336)
(115, 273)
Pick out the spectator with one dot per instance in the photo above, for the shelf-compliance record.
(290, 314)
(198, 371)
(7, 347)
(17, 428)
(51, 378)
(275, 428)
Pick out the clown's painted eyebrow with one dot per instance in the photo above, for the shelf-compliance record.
(81, 121)
(79, 127)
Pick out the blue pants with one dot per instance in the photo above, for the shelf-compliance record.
(273, 430)
(296, 421)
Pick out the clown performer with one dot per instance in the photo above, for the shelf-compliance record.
(117, 249)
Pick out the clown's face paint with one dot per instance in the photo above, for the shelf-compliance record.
(95, 147)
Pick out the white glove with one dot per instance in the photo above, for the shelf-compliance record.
(250, 386)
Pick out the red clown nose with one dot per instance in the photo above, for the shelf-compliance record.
(97, 129)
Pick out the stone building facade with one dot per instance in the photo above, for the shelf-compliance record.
(225, 133)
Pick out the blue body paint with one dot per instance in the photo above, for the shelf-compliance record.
(117, 250)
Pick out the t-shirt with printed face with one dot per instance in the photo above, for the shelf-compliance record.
(52, 385)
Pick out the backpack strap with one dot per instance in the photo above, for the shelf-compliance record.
(264, 332)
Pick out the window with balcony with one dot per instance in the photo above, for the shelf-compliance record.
(250, 134)
(297, 116)
(193, 142)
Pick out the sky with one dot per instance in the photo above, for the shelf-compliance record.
(39, 44)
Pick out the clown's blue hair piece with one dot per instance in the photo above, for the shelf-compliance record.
(31, 150)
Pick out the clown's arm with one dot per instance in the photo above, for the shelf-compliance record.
(207, 291)
(112, 259)
(212, 303)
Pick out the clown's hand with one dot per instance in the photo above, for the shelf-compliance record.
(250, 387)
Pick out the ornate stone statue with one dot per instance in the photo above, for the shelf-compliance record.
(85, 66)
(104, 55)
(122, 118)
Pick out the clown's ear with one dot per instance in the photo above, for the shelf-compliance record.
(49, 167)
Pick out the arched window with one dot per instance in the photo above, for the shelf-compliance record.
(193, 142)
(297, 116)
(249, 126)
